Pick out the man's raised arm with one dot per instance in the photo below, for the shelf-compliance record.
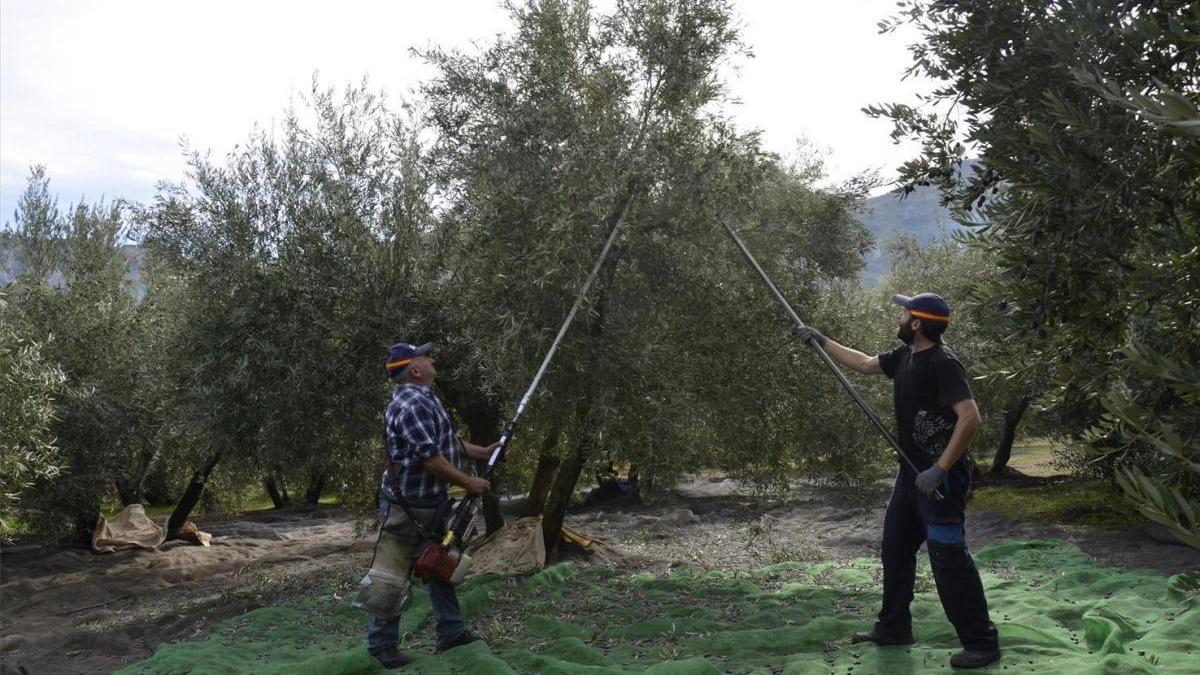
(847, 357)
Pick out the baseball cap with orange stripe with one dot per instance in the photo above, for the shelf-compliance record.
(401, 354)
(925, 306)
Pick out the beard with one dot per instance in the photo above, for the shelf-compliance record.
(906, 334)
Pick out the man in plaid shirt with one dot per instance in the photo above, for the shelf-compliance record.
(424, 456)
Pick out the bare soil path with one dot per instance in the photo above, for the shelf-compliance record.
(72, 611)
(714, 523)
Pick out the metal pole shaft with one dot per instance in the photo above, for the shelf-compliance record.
(468, 508)
(787, 306)
(498, 453)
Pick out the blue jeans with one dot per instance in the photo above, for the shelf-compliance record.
(384, 634)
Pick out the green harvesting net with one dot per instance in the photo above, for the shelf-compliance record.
(1057, 611)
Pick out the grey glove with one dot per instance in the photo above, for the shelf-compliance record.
(809, 333)
(929, 479)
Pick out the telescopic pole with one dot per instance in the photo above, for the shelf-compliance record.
(822, 353)
(498, 453)
(465, 512)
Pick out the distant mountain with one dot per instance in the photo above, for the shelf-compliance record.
(919, 215)
(889, 217)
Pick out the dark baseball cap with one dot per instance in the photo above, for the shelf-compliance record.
(402, 353)
(927, 306)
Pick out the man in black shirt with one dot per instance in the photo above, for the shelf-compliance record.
(936, 417)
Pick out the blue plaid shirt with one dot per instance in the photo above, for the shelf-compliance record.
(416, 428)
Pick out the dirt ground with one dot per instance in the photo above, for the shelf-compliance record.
(71, 611)
(714, 524)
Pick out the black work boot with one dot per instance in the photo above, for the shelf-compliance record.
(973, 659)
(465, 637)
(391, 658)
(882, 640)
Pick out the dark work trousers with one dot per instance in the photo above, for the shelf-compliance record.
(913, 518)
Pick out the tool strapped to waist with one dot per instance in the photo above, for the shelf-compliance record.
(433, 561)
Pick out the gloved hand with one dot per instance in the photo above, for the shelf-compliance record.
(809, 333)
(929, 479)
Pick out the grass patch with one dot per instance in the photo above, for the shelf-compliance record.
(1068, 501)
(155, 512)
(1057, 612)
(161, 512)
(13, 527)
(1036, 457)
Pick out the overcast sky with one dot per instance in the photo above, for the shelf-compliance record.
(102, 92)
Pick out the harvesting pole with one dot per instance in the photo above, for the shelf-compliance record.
(787, 306)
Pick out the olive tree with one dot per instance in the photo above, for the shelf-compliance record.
(298, 260)
(29, 385)
(72, 296)
(577, 122)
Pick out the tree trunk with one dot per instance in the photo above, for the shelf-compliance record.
(563, 486)
(1012, 417)
(272, 488)
(572, 465)
(85, 525)
(190, 496)
(125, 492)
(560, 494)
(139, 485)
(312, 496)
(132, 491)
(483, 428)
(543, 476)
(493, 517)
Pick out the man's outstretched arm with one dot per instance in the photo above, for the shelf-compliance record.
(847, 357)
(853, 359)
(480, 452)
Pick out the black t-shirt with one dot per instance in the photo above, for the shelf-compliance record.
(927, 385)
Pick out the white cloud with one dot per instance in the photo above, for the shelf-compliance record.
(101, 92)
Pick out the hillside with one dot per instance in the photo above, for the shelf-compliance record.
(889, 217)
(919, 215)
